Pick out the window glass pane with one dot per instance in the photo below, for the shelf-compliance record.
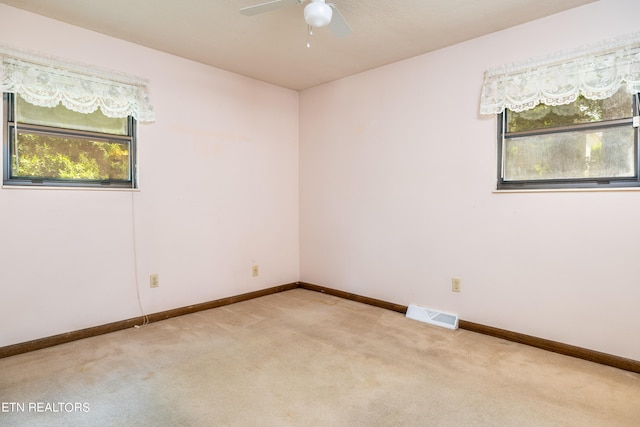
(61, 157)
(583, 110)
(603, 153)
(61, 117)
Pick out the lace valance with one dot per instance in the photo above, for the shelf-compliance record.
(47, 81)
(595, 72)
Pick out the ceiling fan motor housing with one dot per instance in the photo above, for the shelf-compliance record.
(318, 13)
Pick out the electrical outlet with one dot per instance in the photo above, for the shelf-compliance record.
(455, 284)
(254, 270)
(154, 280)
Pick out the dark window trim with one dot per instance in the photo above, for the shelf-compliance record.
(9, 125)
(577, 183)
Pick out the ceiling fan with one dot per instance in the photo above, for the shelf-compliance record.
(317, 14)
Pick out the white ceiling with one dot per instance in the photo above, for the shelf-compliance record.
(272, 46)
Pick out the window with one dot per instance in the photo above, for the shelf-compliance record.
(69, 124)
(60, 147)
(585, 144)
(568, 119)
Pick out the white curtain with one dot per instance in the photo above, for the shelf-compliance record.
(47, 81)
(595, 72)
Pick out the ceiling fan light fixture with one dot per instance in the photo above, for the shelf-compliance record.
(318, 13)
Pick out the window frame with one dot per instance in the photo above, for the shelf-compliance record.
(571, 183)
(9, 124)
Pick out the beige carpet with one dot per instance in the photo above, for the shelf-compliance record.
(302, 358)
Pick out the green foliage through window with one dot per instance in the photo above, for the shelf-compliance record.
(45, 156)
(582, 110)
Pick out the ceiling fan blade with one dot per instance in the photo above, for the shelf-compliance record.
(339, 26)
(268, 6)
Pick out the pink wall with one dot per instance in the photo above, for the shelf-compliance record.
(218, 192)
(397, 179)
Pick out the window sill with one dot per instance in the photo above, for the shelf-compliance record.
(568, 190)
(51, 187)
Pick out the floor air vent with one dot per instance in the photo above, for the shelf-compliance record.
(434, 317)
